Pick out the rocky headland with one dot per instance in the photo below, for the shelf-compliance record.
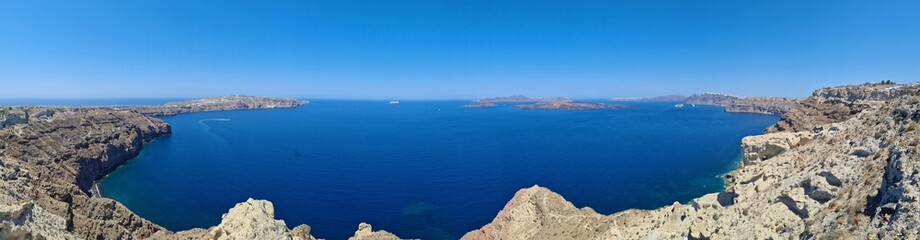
(759, 105)
(237, 102)
(841, 164)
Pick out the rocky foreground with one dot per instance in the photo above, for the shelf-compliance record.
(841, 164)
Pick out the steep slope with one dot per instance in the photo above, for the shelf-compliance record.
(48, 168)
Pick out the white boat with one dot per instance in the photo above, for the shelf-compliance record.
(394, 102)
(679, 105)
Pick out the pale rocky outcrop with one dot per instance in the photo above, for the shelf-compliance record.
(252, 219)
(18, 115)
(27, 221)
(366, 232)
(761, 147)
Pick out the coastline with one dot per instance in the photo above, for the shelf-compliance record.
(95, 191)
(775, 183)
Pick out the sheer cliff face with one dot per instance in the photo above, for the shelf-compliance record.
(853, 179)
(48, 168)
(836, 104)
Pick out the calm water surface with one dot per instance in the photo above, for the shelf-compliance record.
(426, 169)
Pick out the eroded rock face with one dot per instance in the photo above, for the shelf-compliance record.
(762, 147)
(854, 179)
(252, 219)
(836, 104)
(18, 115)
(53, 163)
(864, 92)
(366, 232)
(538, 213)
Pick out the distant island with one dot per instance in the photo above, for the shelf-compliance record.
(761, 105)
(491, 101)
(568, 105)
(541, 103)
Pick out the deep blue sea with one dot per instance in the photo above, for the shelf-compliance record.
(425, 169)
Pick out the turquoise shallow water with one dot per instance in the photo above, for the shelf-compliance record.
(425, 169)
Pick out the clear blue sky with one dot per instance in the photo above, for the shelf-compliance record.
(450, 50)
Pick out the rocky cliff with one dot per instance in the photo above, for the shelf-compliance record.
(48, 168)
(836, 104)
(16, 115)
(237, 102)
(759, 105)
(854, 178)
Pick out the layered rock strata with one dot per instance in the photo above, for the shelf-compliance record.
(759, 105)
(48, 168)
(237, 102)
(836, 104)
